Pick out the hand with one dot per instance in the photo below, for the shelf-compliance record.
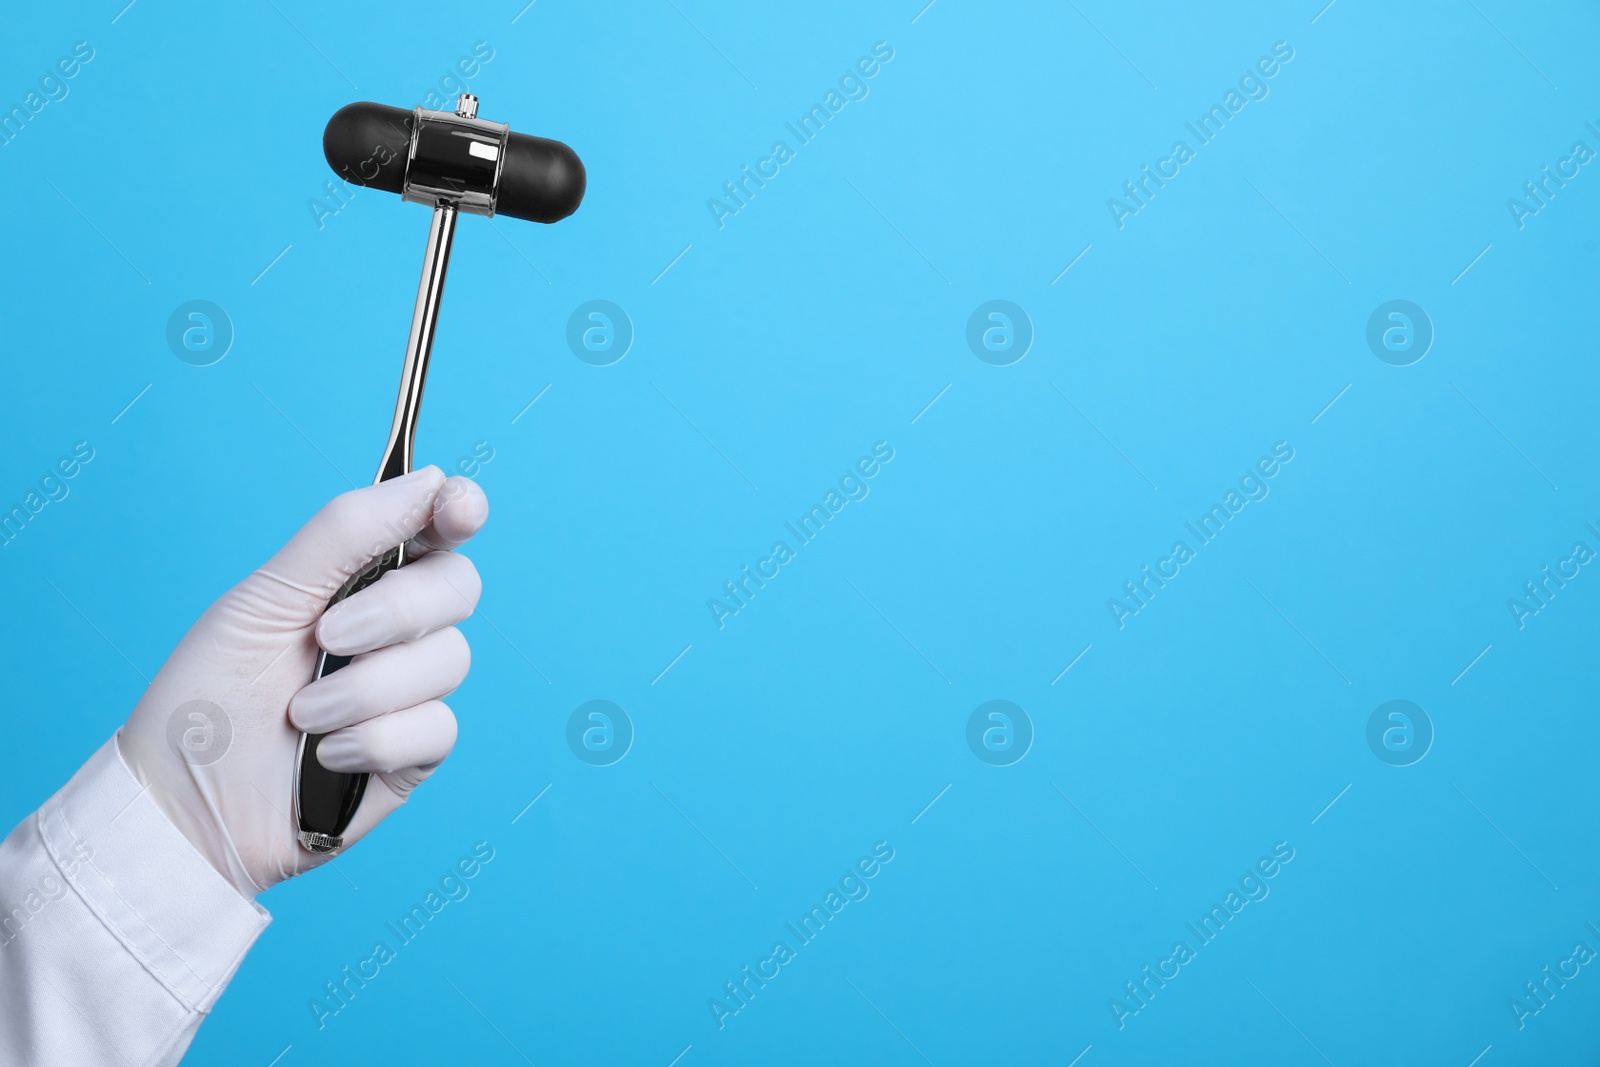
(215, 735)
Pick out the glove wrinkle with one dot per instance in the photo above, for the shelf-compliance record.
(316, 599)
(219, 842)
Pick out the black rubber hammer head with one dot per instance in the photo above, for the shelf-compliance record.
(430, 157)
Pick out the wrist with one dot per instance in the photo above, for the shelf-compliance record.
(181, 800)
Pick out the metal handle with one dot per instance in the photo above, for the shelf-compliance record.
(325, 801)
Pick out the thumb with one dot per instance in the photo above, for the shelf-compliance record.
(351, 531)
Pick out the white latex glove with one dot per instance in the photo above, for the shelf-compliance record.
(227, 780)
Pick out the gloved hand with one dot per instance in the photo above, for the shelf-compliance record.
(214, 737)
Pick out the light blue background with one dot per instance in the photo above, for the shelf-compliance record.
(824, 317)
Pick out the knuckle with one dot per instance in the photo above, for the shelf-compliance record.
(340, 514)
(446, 588)
(465, 578)
(448, 730)
(457, 652)
(408, 611)
(380, 747)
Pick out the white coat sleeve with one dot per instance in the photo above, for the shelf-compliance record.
(116, 936)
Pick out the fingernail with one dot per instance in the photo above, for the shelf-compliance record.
(352, 625)
(337, 752)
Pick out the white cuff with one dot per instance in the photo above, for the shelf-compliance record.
(173, 912)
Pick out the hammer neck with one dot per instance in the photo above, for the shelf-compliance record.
(419, 346)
